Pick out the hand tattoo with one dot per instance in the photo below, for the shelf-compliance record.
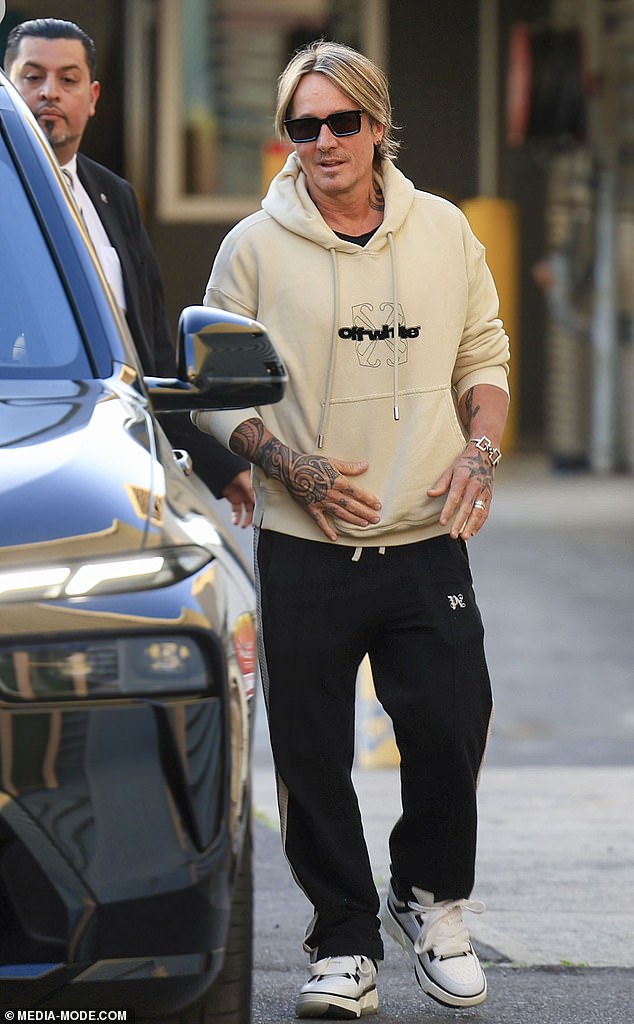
(481, 469)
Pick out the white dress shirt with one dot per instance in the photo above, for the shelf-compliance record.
(108, 257)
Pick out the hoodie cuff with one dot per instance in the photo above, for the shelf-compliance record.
(495, 375)
(221, 423)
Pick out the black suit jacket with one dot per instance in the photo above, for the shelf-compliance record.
(115, 201)
(116, 204)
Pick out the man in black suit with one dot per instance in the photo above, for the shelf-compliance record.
(53, 65)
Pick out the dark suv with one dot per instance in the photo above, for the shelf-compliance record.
(127, 647)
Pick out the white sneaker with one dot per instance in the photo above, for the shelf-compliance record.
(339, 987)
(435, 938)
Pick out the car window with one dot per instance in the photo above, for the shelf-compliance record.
(39, 336)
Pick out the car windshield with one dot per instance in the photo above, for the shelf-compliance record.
(39, 336)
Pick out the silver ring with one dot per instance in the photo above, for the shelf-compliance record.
(480, 504)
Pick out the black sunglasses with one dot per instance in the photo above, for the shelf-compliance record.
(307, 129)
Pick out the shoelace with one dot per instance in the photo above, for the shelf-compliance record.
(443, 929)
(336, 965)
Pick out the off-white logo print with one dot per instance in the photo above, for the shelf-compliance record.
(456, 601)
(374, 344)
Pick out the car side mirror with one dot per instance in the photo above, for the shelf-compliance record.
(224, 361)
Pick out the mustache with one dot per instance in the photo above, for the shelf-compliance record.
(49, 108)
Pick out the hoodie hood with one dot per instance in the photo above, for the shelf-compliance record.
(289, 203)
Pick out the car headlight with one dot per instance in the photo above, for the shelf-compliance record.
(159, 567)
(109, 667)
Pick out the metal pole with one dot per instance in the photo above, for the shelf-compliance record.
(604, 341)
(488, 99)
(604, 334)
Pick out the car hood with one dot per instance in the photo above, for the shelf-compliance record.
(79, 474)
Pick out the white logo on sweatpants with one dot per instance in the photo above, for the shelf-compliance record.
(456, 601)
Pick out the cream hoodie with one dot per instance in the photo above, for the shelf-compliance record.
(332, 309)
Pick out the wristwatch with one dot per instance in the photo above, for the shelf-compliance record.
(486, 445)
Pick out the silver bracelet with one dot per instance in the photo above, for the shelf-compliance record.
(486, 445)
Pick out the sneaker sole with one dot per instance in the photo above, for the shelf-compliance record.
(324, 1004)
(429, 986)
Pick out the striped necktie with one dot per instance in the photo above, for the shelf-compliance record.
(71, 184)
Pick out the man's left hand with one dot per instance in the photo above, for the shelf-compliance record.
(468, 484)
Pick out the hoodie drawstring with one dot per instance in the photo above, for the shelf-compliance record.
(397, 337)
(332, 355)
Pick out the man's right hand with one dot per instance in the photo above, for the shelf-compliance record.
(318, 483)
(322, 487)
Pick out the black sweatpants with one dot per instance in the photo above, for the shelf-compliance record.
(412, 610)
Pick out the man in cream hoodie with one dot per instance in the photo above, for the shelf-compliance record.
(370, 476)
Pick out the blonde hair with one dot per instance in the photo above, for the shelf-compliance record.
(352, 73)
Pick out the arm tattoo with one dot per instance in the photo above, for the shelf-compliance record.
(246, 439)
(470, 411)
(308, 478)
